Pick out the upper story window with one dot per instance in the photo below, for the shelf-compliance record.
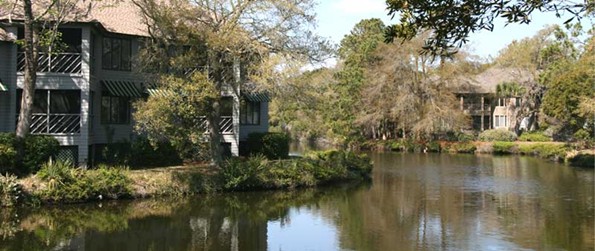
(63, 56)
(116, 54)
(115, 110)
(249, 112)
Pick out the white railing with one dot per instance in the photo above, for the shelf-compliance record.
(42, 123)
(57, 62)
(225, 124)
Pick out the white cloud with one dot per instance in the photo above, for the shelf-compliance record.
(359, 7)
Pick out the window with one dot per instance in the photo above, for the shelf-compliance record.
(116, 54)
(115, 110)
(60, 101)
(500, 121)
(249, 113)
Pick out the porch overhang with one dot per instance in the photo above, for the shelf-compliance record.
(257, 97)
(121, 88)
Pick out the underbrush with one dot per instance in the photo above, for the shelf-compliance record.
(314, 169)
(65, 184)
(547, 151)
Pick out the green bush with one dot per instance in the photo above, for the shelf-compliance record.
(583, 160)
(534, 137)
(38, 150)
(500, 147)
(459, 136)
(497, 135)
(67, 184)
(143, 154)
(316, 168)
(548, 151)
(7, 158)
(140, 153)
(271, 145)
(10, 190)
(460, 147)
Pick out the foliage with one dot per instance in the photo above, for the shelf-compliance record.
(535, 136)
(497, 135)
(570, 83)
(583, 160)
(7, 158)
(543, 150)
(459, 147)
(459, 136)
(270, 145)
(10, 190)
(38, 150)
(240, 39)
(66, 184)
(175, 116)
(500, 147)
(315, 169)
(452, 21)
(141, 153)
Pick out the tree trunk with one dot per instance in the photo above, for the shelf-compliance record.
(30, 74)
(24, 120)
(215, 135)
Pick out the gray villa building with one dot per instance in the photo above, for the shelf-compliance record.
(84, 93)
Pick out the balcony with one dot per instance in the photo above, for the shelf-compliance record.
(476, 109)
(225, 124)
(69, 63)
(42, 123)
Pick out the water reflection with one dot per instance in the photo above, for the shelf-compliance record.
(416, 202)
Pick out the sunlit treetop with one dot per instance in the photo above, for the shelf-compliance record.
(453, 20)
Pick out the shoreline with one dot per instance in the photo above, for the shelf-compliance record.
(252, 174)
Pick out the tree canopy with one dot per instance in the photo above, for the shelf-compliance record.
(451, 21)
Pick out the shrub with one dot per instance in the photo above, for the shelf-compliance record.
(67, 184)
(548, 151)
(497, 135)
(140, 153)
(271, 145)
(500, 147)
(459, 147)
(534, 137)
(143, 154)
(583, 160)
(10, 190)
(38, 150)
(7, 158)
(459, 136)
(317, 168)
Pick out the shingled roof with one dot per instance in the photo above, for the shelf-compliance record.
(115, 16)
(488, 80)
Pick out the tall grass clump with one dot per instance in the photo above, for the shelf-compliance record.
(536, 136)
(64, 183)
(10, 190)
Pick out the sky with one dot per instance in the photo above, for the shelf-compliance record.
(336, 18)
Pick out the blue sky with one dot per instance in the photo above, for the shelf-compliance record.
(337, 17)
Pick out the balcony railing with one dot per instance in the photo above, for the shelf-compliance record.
(56, 63)
(225, 124)
(42, 123)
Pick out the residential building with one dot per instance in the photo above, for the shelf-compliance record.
(84, 92)
(479, 99)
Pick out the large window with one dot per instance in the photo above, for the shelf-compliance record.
(116, 54)
(115, 110)
(249, 113)
(500, 121)
(54, 101)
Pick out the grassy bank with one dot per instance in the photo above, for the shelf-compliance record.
(555, 151)
(57, 183)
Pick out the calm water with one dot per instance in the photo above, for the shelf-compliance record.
(415, 202)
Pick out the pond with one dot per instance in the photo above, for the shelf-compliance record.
(414, 202)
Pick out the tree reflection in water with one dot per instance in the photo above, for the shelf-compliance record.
(416, 202)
